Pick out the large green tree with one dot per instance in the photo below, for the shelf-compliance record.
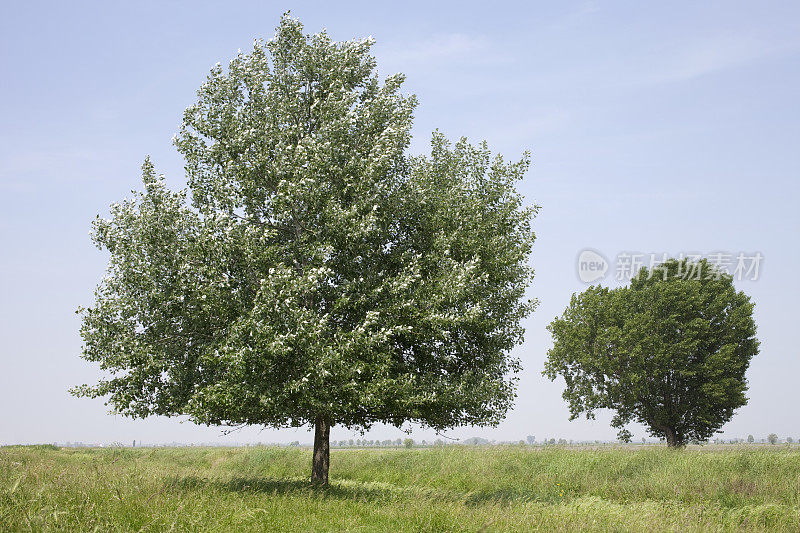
(320, 275)
(670, 351)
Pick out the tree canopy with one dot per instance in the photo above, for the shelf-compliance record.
(670, 351)
(313, 272)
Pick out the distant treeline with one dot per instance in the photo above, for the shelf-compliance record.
(772, 438)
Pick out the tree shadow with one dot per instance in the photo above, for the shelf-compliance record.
(354, 490)
(340, 490)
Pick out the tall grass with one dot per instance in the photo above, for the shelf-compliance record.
(436, 489)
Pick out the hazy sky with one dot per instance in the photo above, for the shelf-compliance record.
(670, 127)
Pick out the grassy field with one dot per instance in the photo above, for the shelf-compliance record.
(435, 489)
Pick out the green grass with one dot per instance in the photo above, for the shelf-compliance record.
(434, 489)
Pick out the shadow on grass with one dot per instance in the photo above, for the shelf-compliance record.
(341, 490)
(354, 490)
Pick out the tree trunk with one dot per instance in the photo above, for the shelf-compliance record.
(322, 451)
(673, 439)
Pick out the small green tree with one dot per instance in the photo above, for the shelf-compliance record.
(772, 438)
(670, 351)
(750, 439)
(408, 443)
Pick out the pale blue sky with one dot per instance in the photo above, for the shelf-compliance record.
(665, 127)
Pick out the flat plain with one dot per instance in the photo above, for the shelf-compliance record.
(448, 488)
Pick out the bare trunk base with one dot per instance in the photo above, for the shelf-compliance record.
(673, 439)
(322, 451)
